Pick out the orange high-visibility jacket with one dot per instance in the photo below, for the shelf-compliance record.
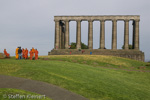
(7, 54)
(36, 52)
(17, 56)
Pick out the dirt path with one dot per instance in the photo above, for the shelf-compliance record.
(54, 92)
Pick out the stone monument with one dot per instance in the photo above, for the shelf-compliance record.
(61, 45)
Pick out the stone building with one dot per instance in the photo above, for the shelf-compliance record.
(61, 45)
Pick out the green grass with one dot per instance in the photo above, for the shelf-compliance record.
(99, 60)
(15, 94)
(83, 75)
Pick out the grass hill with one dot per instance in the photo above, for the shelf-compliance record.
(93, 76)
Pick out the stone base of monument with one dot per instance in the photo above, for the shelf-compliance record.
(2, 56)
(132, 54)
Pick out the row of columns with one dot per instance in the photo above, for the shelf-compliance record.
(62, 40)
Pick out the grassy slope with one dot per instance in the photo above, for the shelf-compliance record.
(7, 94)
(99, 60)
(91, 82)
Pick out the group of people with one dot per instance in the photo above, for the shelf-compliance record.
(23, 53)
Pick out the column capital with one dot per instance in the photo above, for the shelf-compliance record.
(126, 20)
(137, 20)
(102, 20)
(56, 20)
(90, 20)
(78, 20)
(66, 20)
(114, 20)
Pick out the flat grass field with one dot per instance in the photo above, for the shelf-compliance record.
(92, 76)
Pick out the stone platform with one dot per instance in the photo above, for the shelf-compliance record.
(132, 54)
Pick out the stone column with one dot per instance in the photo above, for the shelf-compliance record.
(63, 41)
(90, 34)
(63, 36)
(57, 34)
(114, 35)
(126, 35)
(136, 36)
(102, 34)
(133, 39)
(66, 34)
(60, 36)
(78, 38)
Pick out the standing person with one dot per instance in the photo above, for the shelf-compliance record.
(6, 54)
(26, 53)
(31, 54)
(23, 53)
(20, 53)
(33, 51)
(36, 54)
(17, 56)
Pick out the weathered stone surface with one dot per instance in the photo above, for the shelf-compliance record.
(98, 17)
(78, 39)
(114, 35)
(102, 35)
(126, 34)
(57, 34)
(67, 35)
(90, 35)
(132, 54)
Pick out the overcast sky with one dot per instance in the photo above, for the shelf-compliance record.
(30, 23)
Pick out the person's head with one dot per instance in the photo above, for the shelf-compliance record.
(32, 47)
(26, 48)
(5, 49)
(35, 49)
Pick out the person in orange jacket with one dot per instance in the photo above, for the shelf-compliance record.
(26, 53)
(23, 53)
(17, 55)
(33, 50)
(7, 54)
(31, 54)
(36, 54)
